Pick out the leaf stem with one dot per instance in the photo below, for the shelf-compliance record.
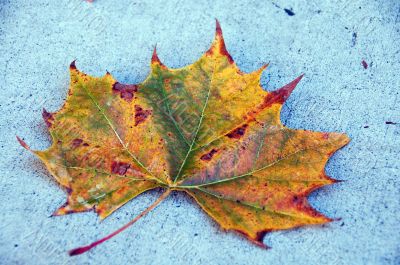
(81, 250)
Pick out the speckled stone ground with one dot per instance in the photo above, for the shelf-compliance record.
(326, 40)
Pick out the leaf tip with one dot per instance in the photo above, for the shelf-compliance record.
(262, 245)
(284, 92)
(329, 180)
(336, 219)
(258, 241)
(347, 139)
(155, 59)
(109, 76)
(344, 140)
(218, 30)
(65, 208)
(52, 215)
(337, 180)
(340, 140)
(72, 65)
(260, 70)
(292, 85)
(218, 45)
(47, 117)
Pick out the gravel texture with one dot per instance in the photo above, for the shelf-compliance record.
(349, 52)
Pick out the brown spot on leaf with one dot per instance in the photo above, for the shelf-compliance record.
(119, 168)
(209, 155)
(238, 132)
(126, 91)
(226, 116)
(141, 114)
(76, 143)
(69, 191)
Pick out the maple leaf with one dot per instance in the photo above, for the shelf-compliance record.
(207, 129)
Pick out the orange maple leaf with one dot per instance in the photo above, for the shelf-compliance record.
(207, 129)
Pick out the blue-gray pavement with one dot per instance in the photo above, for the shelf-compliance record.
(325, 40)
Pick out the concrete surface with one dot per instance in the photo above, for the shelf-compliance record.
(326, 40)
